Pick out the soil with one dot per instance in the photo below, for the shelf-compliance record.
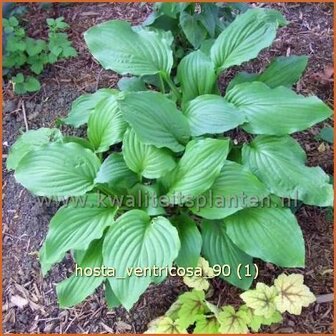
(29, 301)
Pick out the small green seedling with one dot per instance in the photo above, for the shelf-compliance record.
(23, 52)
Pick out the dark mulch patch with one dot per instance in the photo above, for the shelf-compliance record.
(25, 221)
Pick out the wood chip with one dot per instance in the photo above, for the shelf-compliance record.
(325, 298)
(122, 326)
(19, 301)
(107, 328)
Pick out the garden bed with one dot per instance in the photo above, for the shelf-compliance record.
(25, 221)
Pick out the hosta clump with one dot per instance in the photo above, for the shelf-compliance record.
(174, 148)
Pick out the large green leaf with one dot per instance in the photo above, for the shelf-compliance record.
(75, 226)
(196, 73)
(276, 111)
(235, 188)
(78, 140)
(193, 29)
(146, 198)
(197, 170)
(242, 77)
(111, 300)
(162, 22)
(58, 170)
(29, 141)
(84, 105)
(171, 9)
(271, 234)
(118, 47)
(191, 241)
(155, 119)
(106, 126)
(136, 240)
(79, 286)
(146, 160)
(115, 172)
(218, 249)
(209, 17)
(282, 71)
(279, 163)
(245, 37)
(132, 84)
(212, 114)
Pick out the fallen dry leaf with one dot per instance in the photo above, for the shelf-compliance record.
(122, 326)
(326, 76)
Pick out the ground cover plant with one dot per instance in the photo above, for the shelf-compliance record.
(23, 52)
(262, 306)
(183, 173)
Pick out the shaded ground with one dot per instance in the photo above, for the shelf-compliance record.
(25, 221)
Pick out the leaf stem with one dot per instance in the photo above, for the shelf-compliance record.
(172, 86)
(103, 189)
(162, 86)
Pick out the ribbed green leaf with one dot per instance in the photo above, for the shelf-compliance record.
(146, 198)
(235, 188)
(279, 163)
(171, 9)
(146, 160)
(58, 170)
(276, 111)
(209, 17)
(80, 141)
(131, 84)
(242, 77)
(118, 47)
(79, 286)
(245, 37)
(111, 300)
(193, 29)
(282, 71)
(75, 226)
(161, 21)
(197, 170)
(155, 120)
(271, 234)
(136, 240)
(82, 107)
(29, 141)
(191, 241)
(106, 126)
(212, 114)
(115, 172)
(218, 249)
(196, 73)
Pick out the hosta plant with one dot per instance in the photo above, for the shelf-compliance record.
(148, 187)
(262, 306)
